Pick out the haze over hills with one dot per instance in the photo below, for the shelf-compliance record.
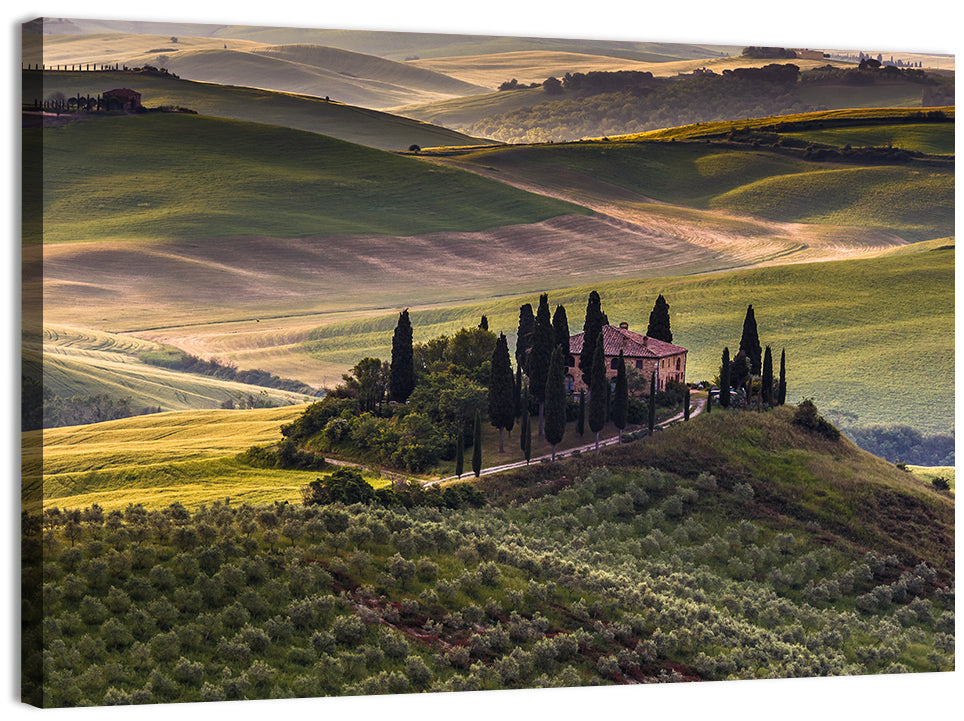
(342, 75)
(391, 45)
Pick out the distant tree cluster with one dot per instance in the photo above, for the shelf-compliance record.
(754, 51)
(188, 363)
(599, 104)
(57, 411)
(903, 443)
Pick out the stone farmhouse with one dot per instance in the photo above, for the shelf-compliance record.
(122, 99)
(644, 354)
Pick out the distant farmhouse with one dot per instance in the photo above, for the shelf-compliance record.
(646, 355)
(122, 99)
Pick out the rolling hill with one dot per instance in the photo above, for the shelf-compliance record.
(79, 362)
(300, 112)
(178, 176)
(348, 77)
(913, 201)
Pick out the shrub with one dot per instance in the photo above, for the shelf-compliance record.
(806, 416)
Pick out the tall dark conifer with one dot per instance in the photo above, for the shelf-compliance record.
(525, 432)
(484, 323)
(477, 444)
(659, 321)
(527, 322)
(750, 342)
(621, 397)
(598, 388)
(517, 392)
(782, 388)
(401, 380)
(766, 380)
(556, 399)
(725, 379)
(501, 388)
(460, 452)
(540, 355)
(581, 418)
(686, 404)
(560, 329)
(595, 320)
(652, 403)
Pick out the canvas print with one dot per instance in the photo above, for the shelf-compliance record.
(392, 362)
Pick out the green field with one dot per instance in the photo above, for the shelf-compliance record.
(922, 138)
(300, 112)
(841, 323)
(916, 203)
(187, 456)
(183, 176)
(77, 362)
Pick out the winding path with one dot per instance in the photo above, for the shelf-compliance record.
(697, 407)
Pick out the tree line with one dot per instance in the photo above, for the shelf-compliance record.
(599, 104)
(428, 403)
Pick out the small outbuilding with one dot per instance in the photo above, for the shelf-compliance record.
(122, 99)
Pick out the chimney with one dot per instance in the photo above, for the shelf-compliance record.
(624, 325)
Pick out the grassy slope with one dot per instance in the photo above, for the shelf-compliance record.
(922, 138)
(839, 321)
(79, 362)
(337, 120)
(183, 176)
(155, 459)
(913, 202)
(833, 492)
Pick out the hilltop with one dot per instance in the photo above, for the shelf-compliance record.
(291, 110)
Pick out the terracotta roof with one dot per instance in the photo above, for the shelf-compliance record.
(633, 345)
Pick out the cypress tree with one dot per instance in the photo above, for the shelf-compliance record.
(652, 403)
(460, 452)
(524, 425)
(527, 438)
(686, 404)
(477, 444)
(401, 380)
(525, 433)
(540, 355)
(750, 342)
(597, 390)
(621, 397)
(501, 388)
(517, 392)
(527, 322)
(725, 379)
(556, 400)
(560, 330)
(484, 323)
(659, 321)
(782, 388)
(592, 327)
(766, 381)
(581, 418)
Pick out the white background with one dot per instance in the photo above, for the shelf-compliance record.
(884, 25)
